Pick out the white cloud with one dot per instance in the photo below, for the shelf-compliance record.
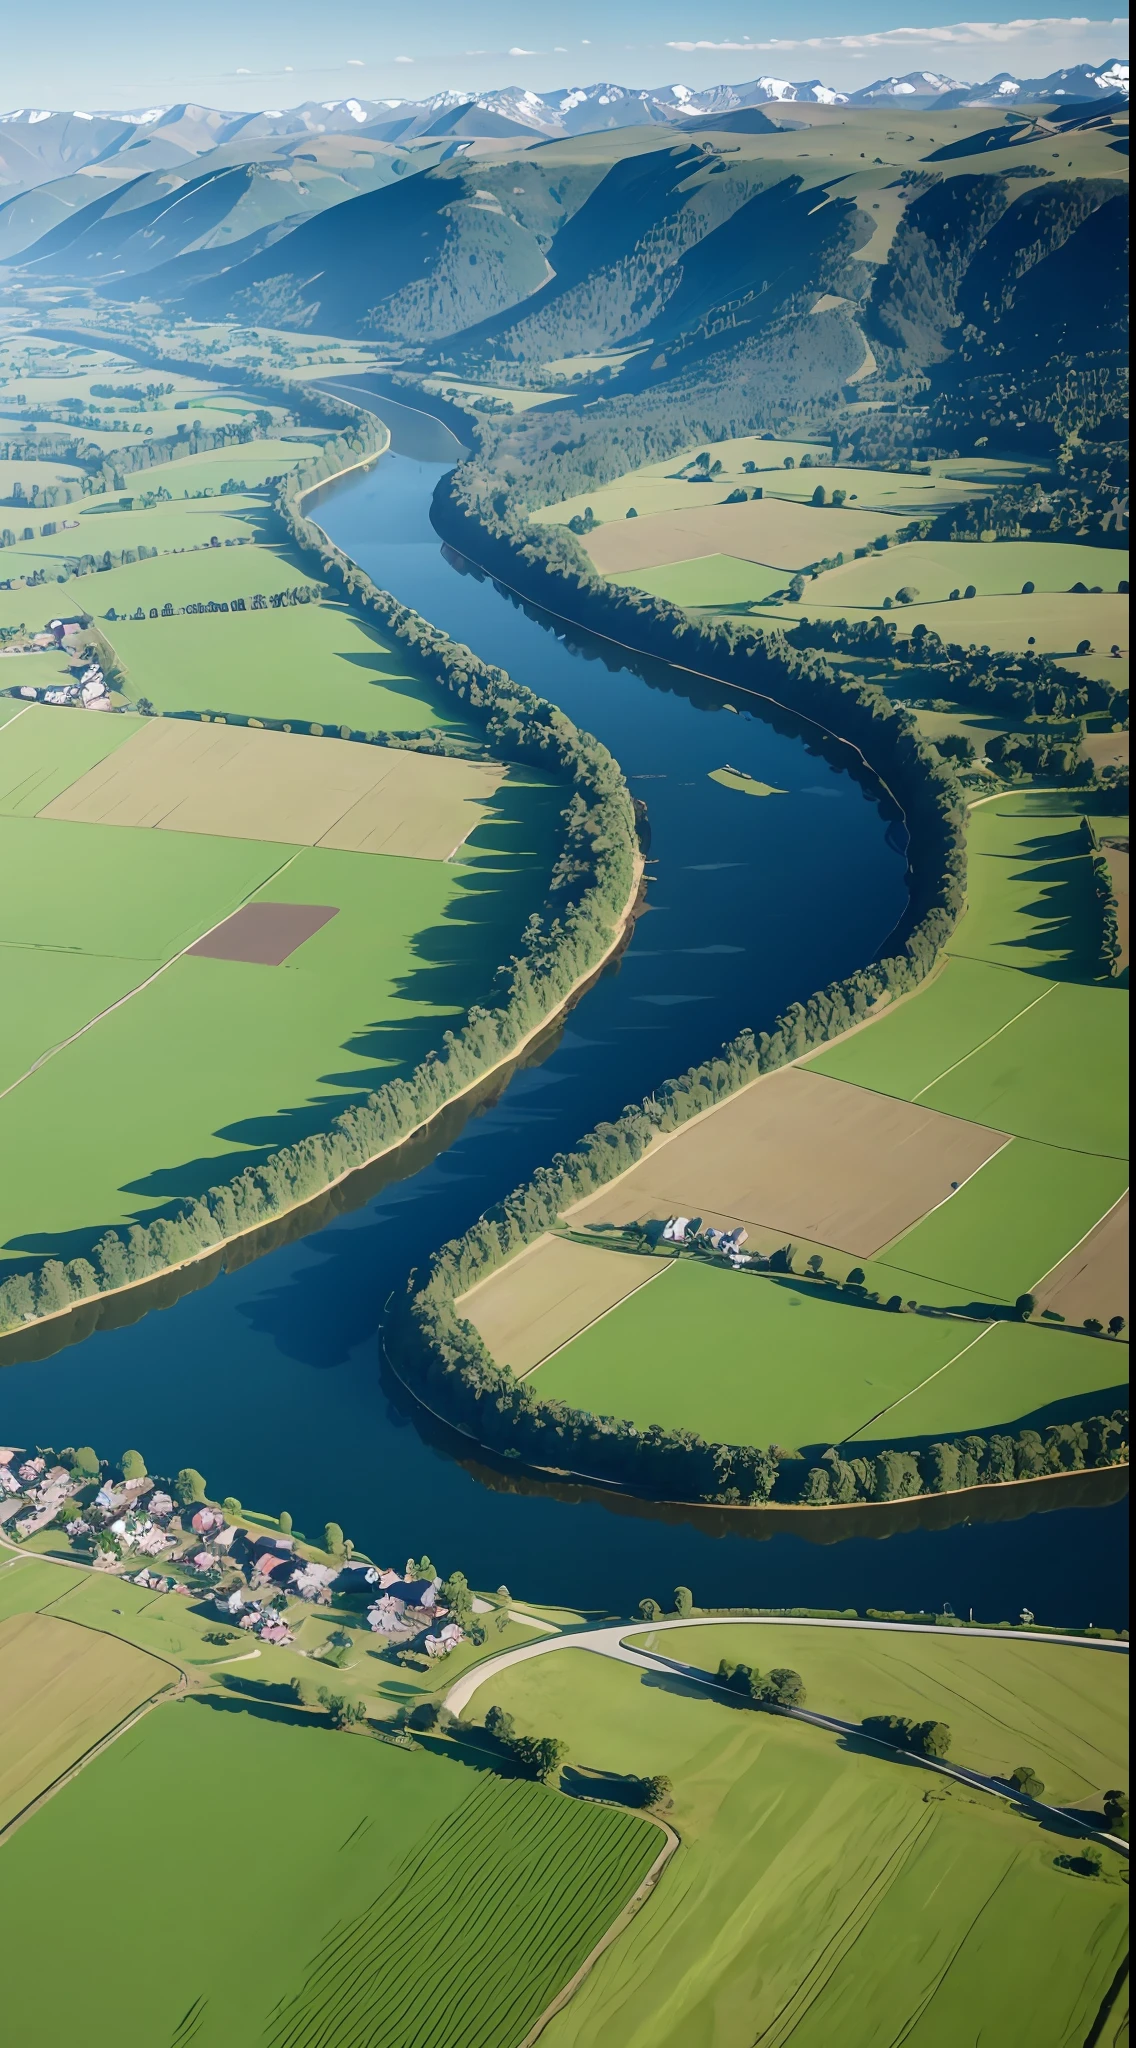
(356, 60)
(517, 52)
(964, 35)
(404, 60)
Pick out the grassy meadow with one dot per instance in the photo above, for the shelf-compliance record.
(821, 1892)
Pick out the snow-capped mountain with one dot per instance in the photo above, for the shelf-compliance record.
(41, 143)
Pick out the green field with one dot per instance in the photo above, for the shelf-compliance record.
(1054, 623)
(1040, 1050)
(818, 1896)
(717, 581)
(649, 1360)
(1058, 1706)
(934, 568)
(1013, 1372)
(217, 1062)
(317, 661)
(1010, 1223)
(795, 1366)
(359, 1860)
(45, 748)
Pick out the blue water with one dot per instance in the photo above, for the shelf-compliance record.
(269, 1379)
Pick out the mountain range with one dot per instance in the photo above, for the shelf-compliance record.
(38, 145)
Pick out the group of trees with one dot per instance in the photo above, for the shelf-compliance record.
(781, 1687)
(276, 600)
(954, 1463)
(921, 1738)
(1104, 889)
(1022, 685)
(534, 1756)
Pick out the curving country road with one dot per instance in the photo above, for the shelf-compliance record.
(611, 1642)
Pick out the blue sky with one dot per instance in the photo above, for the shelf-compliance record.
(263, 53)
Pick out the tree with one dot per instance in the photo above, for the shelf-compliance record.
(1115, 1325)
(1116, 1813)
(1094, 1326)
(650, 1610)
(84, 1463)
(538, 1756)
(1027, 1781)
(818, 495)
(189, 1486)
(457, 1597)
(499, 1725)
(342, 1713)
(231, 1506)
(815, 1265)
(133, 1465)
(1025, 1306)
(284, 1523)
(855, 1277)
(427, 1715)
(683, 1602)
(654, 1791)
(931, 1738)
(333, 1539)
(785, 1688)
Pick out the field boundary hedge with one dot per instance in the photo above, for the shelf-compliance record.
(594, 886)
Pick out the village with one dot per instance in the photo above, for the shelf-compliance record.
(166, 1537)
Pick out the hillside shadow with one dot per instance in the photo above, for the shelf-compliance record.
(464, 1748)
(261, 1690)
(262, 1710)
(1060, 914)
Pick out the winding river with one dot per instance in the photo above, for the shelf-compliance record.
(268, 1380)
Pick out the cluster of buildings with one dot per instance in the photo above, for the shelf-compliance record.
(89, 687)
(688, 1230)
(32, 1495)
(252, 1578)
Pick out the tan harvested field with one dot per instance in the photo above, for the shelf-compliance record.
(529, 1308)
(770, 530)
(237, 782)
(1092, 1279)
(808, 1157)
(1106, 749)
(62, 1688)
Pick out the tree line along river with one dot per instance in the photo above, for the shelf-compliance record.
(269, 1379)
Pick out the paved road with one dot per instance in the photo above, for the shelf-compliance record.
(610, 1642)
